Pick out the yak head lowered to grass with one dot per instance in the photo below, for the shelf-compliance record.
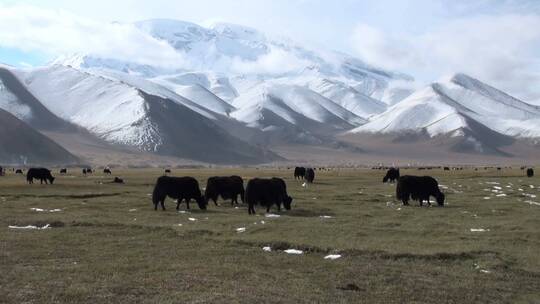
(440, 199)
(201, 201)
(287, 201)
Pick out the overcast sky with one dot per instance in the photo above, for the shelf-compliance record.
(497, 41)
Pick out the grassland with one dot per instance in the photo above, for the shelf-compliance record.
(108, 245)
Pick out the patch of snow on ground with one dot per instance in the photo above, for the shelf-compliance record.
(45, 210)
(241, 229)
(30, 227)
(479, 230)
(267, 248)
(272, 215)
(293, 251)
(332, 257)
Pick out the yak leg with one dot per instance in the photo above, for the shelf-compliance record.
(187, 203)
(178, 201)
(405, 200)
(162, 204)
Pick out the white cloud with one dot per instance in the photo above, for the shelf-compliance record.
(502, 50)
(58, 32)
(275, 62)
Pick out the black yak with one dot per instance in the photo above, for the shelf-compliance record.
(180, 188)
(530, 172)
(267, 192)
(19, 171)
(43, 174)
(418, 188)
(1, 171)
(167, 171)
(391, 175)
(228, 187)
(63, 171)
(87, 171)
(107, 171)
(299, 172)
(310, 175)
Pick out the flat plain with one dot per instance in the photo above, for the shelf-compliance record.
(106, 244)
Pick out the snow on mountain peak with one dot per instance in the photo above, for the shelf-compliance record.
(451, 104)
(235, 31)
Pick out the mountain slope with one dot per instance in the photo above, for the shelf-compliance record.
(20, 144)
(348, 97)
(124, 114)
(296, 105)
(16, 99)
(440, 108)
(461, 107)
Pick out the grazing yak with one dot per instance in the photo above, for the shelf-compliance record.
(43, 174)
(87, 171)
(63, 171)
(107, 171)
(418, 188)
(391, 175)
(1, 171)
(267, 192)
(19, 171)
(299, 172)
(530, 172)
(228, 187)
(180, 188)
(117, 180)
(167, 171)
(310, 175)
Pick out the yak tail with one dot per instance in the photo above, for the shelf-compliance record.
(245, 195)
(156, 195)
(398, 191)
(242, 194)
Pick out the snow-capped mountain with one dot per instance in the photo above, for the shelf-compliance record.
(229, 60)
(238, 93)
(458, 107)
(130, 115)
